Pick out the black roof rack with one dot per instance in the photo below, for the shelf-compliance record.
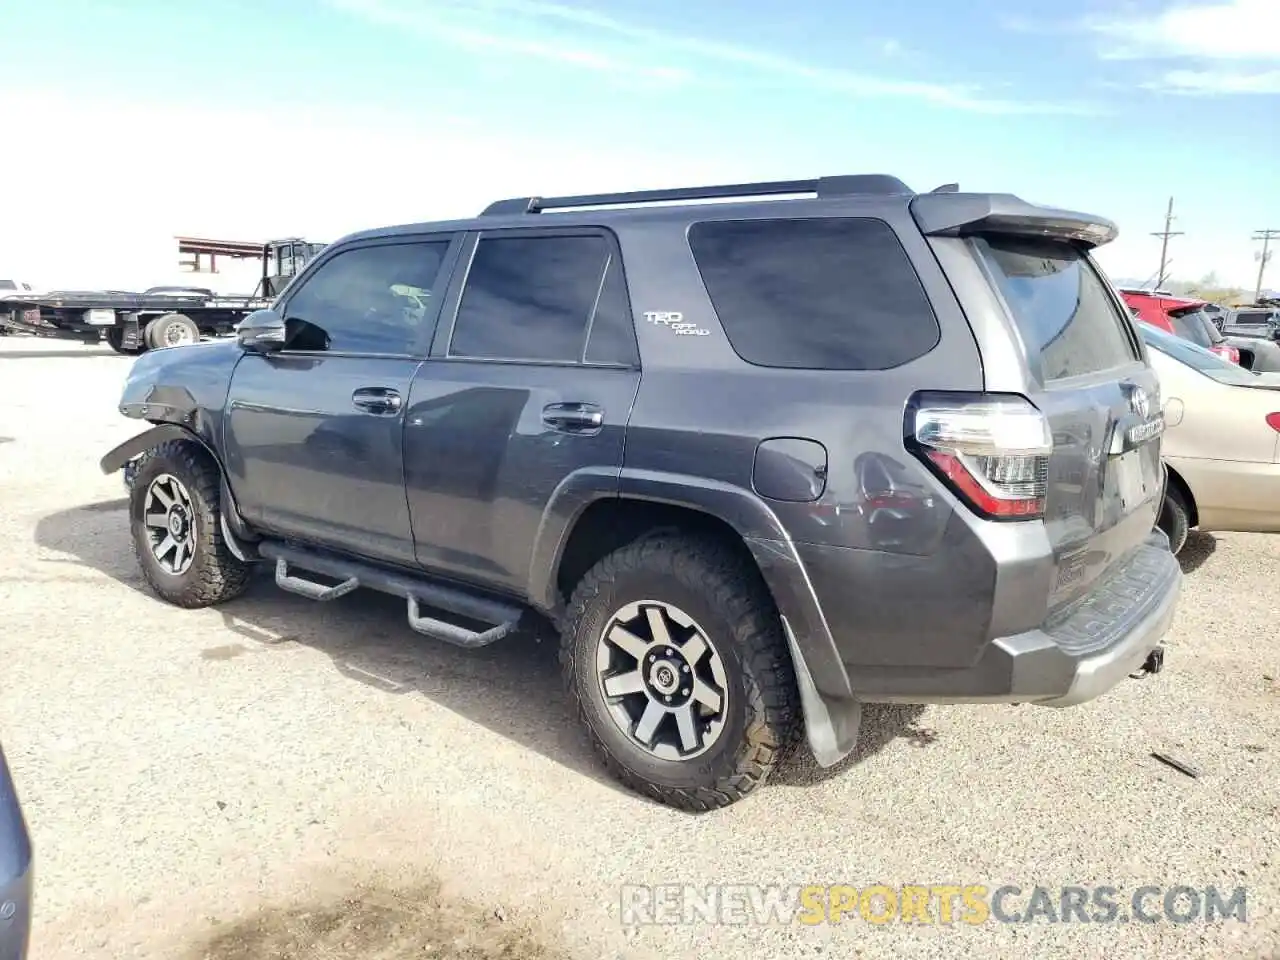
(845, 186)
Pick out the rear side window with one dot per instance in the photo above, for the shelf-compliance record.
(8, 285)
(820, 294)
(533, 299)
(1060, 305)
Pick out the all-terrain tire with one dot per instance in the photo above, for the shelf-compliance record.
(729, 601)
(1175, 520)
(215, 574)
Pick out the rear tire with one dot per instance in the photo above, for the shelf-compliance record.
(171, 330)
(1175, 520)
(174, 504)
(715, 699)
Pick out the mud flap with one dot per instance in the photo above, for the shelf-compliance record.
(831, 726)
(130, 332)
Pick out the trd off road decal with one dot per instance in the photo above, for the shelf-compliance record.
(675, 322)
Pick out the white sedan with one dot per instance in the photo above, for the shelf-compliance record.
(1222, 441)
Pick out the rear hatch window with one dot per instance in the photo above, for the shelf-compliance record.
(1068, 320)
(1191, 323)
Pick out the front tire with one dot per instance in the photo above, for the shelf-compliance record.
(674, 656)
(174, 503)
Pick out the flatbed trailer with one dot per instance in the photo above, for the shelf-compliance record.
(157, 317)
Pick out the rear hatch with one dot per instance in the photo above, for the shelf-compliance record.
(1088, 375)
(1053, 330)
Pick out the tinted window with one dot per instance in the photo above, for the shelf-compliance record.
(368, 300)
(529, 298)
(8, 285)
(1060, 304)
(1253, 317)
(834, 294)
(613, 335)
(1196, 327)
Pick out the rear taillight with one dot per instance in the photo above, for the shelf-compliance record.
(1227, 352)
(991, 450)
(1273, 421)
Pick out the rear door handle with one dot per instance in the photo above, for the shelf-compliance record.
(573, 417)
(381, 401)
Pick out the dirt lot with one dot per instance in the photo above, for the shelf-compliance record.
(283, 779)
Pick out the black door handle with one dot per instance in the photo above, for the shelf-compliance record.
(573, 417)
(377, 400)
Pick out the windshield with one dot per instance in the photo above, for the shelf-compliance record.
(1195, 356)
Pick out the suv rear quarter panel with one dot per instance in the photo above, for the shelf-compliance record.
(702, 412)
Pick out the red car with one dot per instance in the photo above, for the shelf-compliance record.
(1181, 317)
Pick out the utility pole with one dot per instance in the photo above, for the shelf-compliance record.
(1164, 243)
(1266, 236)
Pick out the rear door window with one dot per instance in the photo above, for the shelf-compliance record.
(1060, 304)
(533, 298)
(835, 293)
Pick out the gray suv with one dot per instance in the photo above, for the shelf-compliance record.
(15, 871)
(759, 454)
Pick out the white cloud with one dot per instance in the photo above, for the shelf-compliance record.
(1211, 82)
(588, 39)
(106, 216)
(1231, 30)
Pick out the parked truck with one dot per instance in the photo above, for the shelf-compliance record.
(157, 317)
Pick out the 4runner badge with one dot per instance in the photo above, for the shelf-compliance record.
(675, 321)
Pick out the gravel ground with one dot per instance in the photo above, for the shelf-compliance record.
(280, 779)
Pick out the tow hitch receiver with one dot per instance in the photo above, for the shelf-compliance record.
(1153, 664)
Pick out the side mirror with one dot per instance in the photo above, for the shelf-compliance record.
(262, 331)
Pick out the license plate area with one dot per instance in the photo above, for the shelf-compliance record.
(1131, 481)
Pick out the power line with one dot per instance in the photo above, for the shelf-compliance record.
(1164, 236)
(1266, 236)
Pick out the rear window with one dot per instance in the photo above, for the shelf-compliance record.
(1196, 326)
(833, 293)
(1060, 304)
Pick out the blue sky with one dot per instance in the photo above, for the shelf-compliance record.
(236, 118)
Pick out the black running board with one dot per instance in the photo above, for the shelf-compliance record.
(354, 574)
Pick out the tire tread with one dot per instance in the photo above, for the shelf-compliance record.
(731, 586)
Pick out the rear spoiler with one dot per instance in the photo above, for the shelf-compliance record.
(964, 214)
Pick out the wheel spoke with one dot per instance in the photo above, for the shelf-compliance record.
(628, 641)
(706, 695)
(648, 725)
(165, 545)
(621, 684)
(166, 500)
(694, 649)
(180, 555)
(160, 520)
(658, 626)
(688, 728)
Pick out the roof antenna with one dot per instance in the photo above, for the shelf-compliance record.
(947, 188)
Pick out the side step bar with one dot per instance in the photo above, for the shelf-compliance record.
(354, 574)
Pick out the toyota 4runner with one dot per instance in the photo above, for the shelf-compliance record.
(759, 453)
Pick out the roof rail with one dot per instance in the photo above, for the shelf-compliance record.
(845, 186)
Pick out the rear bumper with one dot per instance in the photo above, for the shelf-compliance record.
(1078, 657)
